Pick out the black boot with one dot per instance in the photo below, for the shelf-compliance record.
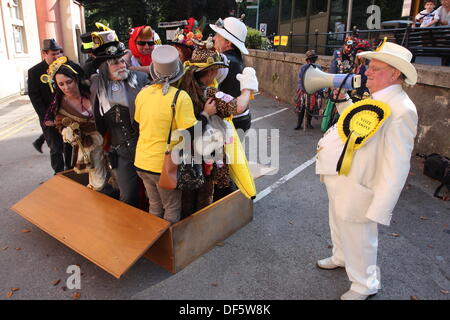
(301, 114)
(308, 122)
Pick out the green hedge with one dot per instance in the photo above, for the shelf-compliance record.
(255, 40)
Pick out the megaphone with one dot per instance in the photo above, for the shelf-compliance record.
(314, 79)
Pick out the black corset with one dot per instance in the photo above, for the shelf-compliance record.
(118, 122)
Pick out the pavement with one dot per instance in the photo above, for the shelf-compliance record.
(273, 257)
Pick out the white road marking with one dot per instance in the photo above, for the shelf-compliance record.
(284, 179)
(269, 115)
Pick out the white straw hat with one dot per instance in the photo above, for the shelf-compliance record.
(396, 56)
(232, 29)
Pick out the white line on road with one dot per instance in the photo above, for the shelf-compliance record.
(269, 115)
(284, 179)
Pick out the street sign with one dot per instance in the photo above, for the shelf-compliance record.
(276, 40)
(263, 28)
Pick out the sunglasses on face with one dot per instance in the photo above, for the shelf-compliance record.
(143, 43)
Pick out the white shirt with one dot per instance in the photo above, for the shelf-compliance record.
(427, 17)
(443, 14)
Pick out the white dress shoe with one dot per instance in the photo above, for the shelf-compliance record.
(353, 295)
(328, 264)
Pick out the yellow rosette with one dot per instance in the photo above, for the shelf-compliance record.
(356, 125)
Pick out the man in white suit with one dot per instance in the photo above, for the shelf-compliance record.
(369, 192)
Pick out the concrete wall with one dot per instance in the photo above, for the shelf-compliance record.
(278, 75)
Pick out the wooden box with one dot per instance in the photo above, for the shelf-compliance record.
(114, 235)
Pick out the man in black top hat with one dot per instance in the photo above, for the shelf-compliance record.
(40, 96)
(113, 93)
(86, 47)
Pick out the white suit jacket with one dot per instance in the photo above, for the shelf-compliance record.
(379, 168)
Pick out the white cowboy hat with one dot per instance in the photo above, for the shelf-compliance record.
(232, 29)
(396, 56)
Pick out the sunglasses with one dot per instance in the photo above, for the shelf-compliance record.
(143, 43)
(349, 42)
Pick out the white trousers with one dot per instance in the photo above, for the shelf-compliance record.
(354, 245)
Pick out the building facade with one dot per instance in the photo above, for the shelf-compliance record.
(300, 17)
(24, 24)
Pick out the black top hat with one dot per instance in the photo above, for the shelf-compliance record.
(50, 44)
(86, 42)
(107, 51)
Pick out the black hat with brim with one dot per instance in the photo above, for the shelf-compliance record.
(107, 51)
(86, 42)
(50, 44)
(174, 43)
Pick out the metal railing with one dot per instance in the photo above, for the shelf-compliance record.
(335, 40)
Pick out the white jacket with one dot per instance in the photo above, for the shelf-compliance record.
(379, 169)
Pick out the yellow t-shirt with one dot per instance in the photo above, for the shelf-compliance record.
(154, 115)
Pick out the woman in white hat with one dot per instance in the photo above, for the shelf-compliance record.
(230, 41)
(366, 195)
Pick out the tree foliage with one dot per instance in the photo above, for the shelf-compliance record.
(122, 15)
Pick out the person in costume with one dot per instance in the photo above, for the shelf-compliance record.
(307, 102)
(184, 44)
(343, 63)
(155, 118)
(113, 94)
(360, 68)
(230, 41)
(40, 94)
(71, 113)
(364, 161)
(86, 48)
(344, 59)
(142, 42)
(200, 75)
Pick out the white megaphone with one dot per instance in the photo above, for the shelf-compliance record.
(314, 79)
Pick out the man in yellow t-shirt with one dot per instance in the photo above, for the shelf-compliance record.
(154, 115)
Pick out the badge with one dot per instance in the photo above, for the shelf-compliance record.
(356, 125)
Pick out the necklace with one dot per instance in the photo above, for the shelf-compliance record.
(77, 107)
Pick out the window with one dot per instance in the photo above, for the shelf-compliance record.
(286, 6)
(318, 6)
(15, 8)
(300, 8)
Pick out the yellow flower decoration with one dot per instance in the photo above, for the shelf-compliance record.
(356, 125)
(52, 69)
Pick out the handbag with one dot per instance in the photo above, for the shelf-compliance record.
(437, 167)
(184, 176)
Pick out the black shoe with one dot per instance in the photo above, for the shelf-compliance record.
(298, 128)
(309, 126)
(37, 146)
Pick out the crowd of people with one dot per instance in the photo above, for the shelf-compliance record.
(111, 116)
(118, 123)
